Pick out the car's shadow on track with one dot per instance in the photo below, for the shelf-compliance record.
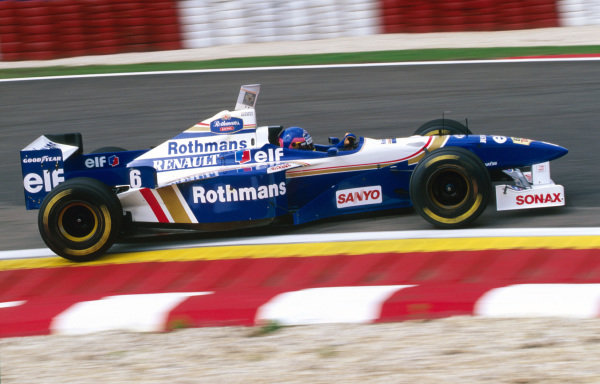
(146, 239)
(155, 238)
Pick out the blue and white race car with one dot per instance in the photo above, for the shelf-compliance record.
(225, 173)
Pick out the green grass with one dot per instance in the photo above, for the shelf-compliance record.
(266, 329)
(329, 58)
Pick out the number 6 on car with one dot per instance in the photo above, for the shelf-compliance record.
(135, 178)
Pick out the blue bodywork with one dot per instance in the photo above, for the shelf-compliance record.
(226, 172)
(259, 183)
(225, 169)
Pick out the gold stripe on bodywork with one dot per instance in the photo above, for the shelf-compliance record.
(416, 159)
(199, 128)
(438, 142)
(171, 201)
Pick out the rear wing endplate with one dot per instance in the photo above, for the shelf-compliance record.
(42, 166)
(247, 97)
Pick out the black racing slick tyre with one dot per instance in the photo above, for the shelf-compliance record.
(80, 219)
(450, 187)
(442, 127)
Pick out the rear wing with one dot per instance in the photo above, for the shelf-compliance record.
(42, 165)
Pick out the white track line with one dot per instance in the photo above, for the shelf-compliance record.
(305, 67)
(351, 236)
(401, 235)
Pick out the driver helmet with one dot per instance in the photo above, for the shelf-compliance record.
(296, 138)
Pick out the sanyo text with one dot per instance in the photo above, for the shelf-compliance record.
(358, 196)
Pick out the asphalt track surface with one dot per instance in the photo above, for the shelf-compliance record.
(551, 101)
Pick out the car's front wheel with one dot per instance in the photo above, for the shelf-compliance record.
(80, 219)
(450, 187)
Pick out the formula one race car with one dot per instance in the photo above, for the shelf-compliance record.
(225, 173)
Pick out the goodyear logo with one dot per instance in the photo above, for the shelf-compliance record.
(43, 159)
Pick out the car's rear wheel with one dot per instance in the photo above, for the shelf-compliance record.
(442, 127)
(80, 219)
(450, 187)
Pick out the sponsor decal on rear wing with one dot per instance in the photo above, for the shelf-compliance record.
(42, 166)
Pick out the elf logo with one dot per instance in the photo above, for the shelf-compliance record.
(358, 196)
(101, 161)
(543, 198)
(242, 156)
(34, 183)
(113, 161)
(259, 156)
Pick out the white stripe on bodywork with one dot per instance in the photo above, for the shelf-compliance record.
(541, 300)
(133, 202)
(327, 305)
(138, 313)
(372, 155)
